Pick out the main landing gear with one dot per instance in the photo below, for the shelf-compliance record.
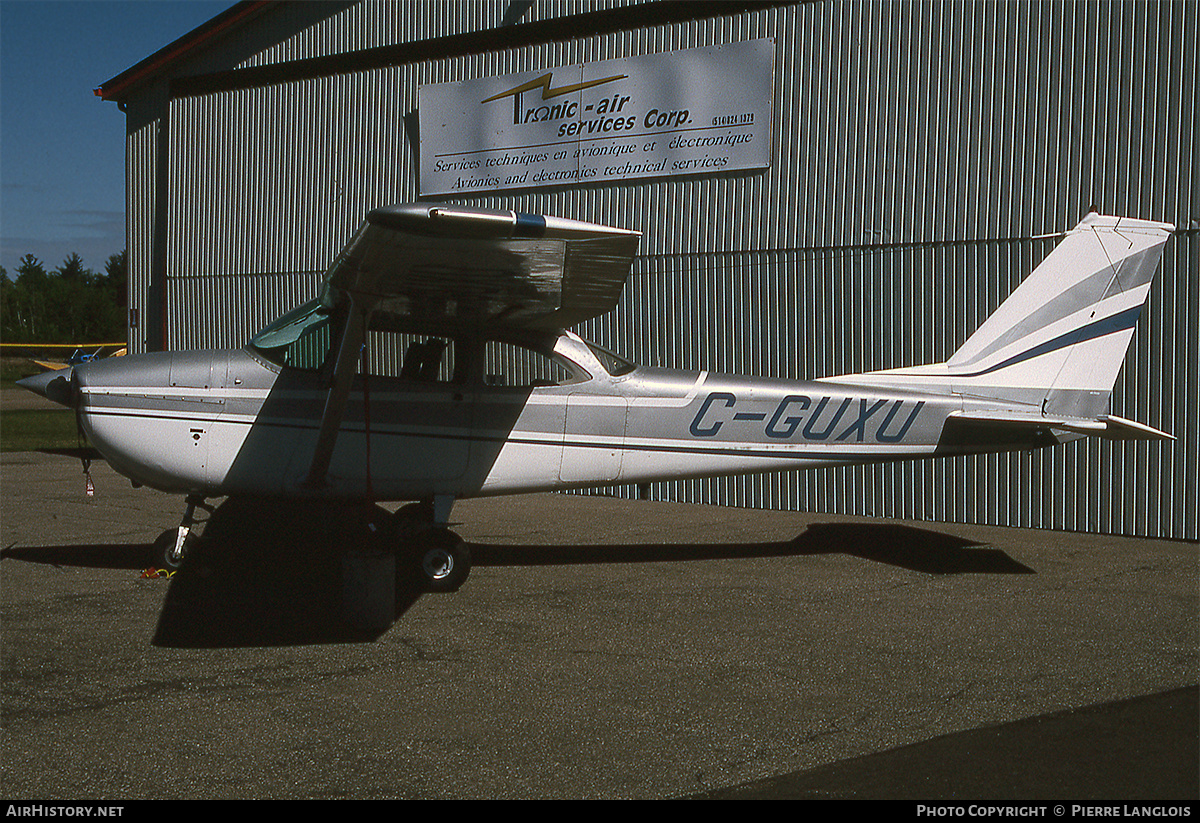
(428, 553)
(429, 556)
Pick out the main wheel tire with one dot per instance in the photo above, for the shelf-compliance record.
(444, 561)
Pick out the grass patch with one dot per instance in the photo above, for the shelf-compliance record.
(24, 430)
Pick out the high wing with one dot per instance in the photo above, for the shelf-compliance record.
(466, 267)
(455, 265)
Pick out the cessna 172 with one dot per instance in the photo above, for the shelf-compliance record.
(436, 365)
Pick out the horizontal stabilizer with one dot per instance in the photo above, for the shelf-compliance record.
(1107, 426)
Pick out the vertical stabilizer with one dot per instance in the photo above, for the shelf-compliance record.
(1059, 340)
(1061, 337)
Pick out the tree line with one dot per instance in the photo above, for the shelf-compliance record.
(69, 304)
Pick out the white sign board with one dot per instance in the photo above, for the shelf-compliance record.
(681, 113)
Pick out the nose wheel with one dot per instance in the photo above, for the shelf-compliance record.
(169, 551)
(173, 544)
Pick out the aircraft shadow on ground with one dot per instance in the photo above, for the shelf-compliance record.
(85, 555)
(908, 547)
(276, 582)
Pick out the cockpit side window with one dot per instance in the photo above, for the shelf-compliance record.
(397, 348)
(419, 358)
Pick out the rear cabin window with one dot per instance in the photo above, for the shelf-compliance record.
(508, 365)
(614, 364)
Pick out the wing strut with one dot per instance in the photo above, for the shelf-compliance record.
(339, 392)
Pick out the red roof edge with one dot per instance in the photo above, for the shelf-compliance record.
(190, 42)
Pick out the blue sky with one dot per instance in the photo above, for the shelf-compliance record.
(62, 149)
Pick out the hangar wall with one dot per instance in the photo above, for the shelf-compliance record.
(924, 157)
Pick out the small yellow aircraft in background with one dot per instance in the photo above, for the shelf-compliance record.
(78, 355)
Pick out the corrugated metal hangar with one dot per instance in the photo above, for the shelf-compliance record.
(916, 161)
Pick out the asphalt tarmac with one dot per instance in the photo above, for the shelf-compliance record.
(601, 648)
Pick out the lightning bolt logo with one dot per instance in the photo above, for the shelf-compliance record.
(543, 83)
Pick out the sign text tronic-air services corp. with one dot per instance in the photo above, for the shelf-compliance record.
(681, 113)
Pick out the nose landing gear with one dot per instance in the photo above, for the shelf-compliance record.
(172, 545)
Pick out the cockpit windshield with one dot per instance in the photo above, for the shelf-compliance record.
(300, 339)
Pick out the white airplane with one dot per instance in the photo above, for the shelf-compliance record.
(437, 365)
